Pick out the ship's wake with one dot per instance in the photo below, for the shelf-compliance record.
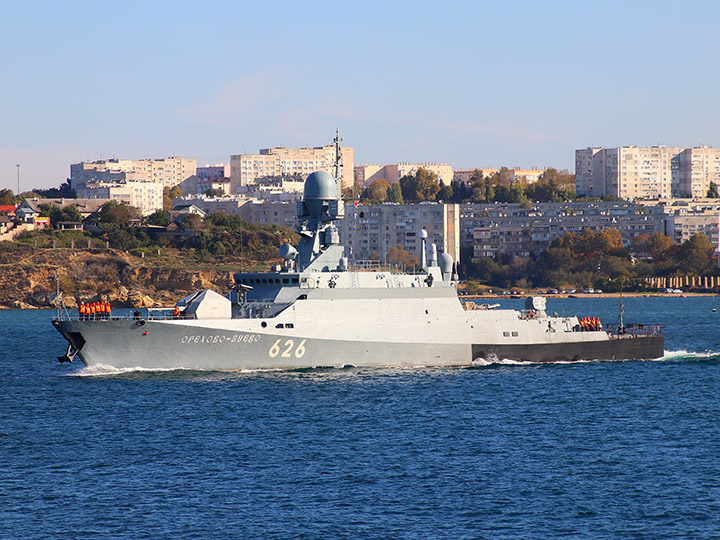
(495, 361)
(102, 370)
(688, 355)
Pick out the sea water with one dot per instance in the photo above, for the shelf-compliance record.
(626, 450)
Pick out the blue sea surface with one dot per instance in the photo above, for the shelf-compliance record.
(610, 450)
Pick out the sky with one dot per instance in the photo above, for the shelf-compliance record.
(471, 84)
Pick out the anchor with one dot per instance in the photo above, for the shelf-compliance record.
(69, 355)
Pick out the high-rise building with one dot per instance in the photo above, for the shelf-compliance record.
(377, 228)
(144, 195)
(646, 173)
(248, 169)
(367, 174)
(169, 172)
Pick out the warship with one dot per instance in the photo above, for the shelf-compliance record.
(317, 309)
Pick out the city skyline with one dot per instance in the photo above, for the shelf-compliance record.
(522, 84)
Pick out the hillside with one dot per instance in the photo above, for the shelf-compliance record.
(28, 276)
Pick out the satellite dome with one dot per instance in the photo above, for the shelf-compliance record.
(320, 185)
(445, 261)
(287, 252)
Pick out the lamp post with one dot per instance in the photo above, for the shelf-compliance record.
(18, 170)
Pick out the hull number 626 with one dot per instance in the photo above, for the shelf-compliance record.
(287, 349)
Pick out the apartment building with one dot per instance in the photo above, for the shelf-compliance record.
(281, 162)
(509, 228)
(215, 177)
(366, 174)
(681, 227)
(168, 172)
(377, 228)
(631, 172)
(526, 175)
(145, 195)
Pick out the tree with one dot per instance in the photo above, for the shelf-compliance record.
(55, 193)
(210, 192)
(191, 221)
(660, 247)
(422, 186)
(501, 177)
(712, 192)
(399, 256)
(696, 254)
(58, 215)
(115, 213)
(169, 194)
(377, 191)
(394, 194)
(158, 217)
(445, 194)
(7, 197)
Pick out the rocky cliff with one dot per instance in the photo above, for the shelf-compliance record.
(29, 277)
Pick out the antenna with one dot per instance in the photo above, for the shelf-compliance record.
(338, 157)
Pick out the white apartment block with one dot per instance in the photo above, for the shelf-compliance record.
(656, 172)
(213, 177)
(168, 172)
(681, 227)
(511, 229)
(247, 169)
(144, 195)
(377, 228)
(367, 174)
(528, 175)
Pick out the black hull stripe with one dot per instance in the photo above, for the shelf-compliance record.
(640, 348)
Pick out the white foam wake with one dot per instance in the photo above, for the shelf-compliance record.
(102, 370)
(683, 354)
(500, 361)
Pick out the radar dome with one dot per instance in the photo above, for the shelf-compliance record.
(287, 252)
(445, 262)
(320, 185)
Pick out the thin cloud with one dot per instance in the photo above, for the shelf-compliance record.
(239, 101)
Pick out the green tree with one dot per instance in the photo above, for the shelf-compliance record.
(445, 194)
(695, 255)
(377, 191)
(191, 221)
(422, 186)
(394, 194)
(58, 215)
(158, 217)
(712, 192)
(55, 193)
(660, 247)
(114, 213)
(211, 192)
(7, 197)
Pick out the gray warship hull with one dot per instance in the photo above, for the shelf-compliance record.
(434, 331)
(317, 310)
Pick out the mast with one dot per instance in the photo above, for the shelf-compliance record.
(338, 156)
